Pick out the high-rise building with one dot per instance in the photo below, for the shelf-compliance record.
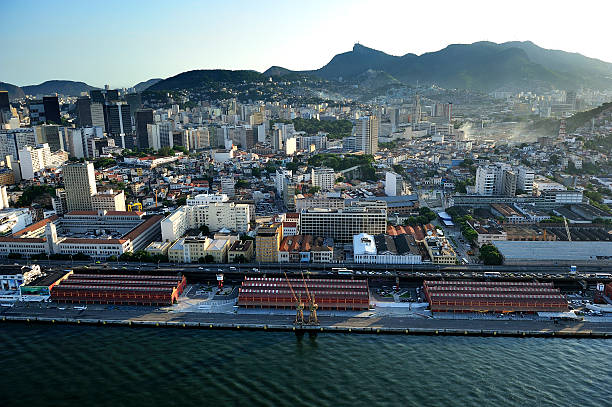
(267, 243)
(525, 180)
(108, 200)
(33, 159)
(50, 134)
(143, 117)
(97, 116)
(83, 110)
(228, 185)
(498, 179)
(323, 177)
(394, 184)
(80, 184)
(134, 100)
(118, 119)
(4, 101)
(52, 109)
(366, 135)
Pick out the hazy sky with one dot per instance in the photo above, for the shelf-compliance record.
(128, 41)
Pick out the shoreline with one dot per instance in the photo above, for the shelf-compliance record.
(389, 326)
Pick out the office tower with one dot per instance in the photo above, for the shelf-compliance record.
(394, 184)
(5, 106)
(37, 112)
(117, 118)
(83, 111)
(97, 96)
(97, 115)
(323, 177)
(143, 117)
(134, 101)
(366, 135)
(33, 159)
(51, 109)
(4, 100)
(80, 183)
(50, 134)
(11, 141)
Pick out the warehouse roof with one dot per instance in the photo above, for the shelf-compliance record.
(554, 250)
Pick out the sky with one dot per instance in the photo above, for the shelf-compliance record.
(121, 43)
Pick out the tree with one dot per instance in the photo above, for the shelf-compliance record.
(490, 255)
(209, 258)
(314, 190)
(256, 172)
(204, 229)
(111, 258)
(14, 256)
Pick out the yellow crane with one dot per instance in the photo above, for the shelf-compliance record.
(299, 304)
(313, 319)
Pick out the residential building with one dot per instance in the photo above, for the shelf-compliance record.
(240, 250)
(33, 160)
(323, 177)
(394, 184)
(366, 135)
(109, 200)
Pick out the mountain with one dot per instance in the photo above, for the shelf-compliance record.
(68, 88)
(481, 65)
(15, 92)
(206, 77)
(141, 86)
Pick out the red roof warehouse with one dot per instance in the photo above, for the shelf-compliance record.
(493, 296)
(262, 292)
(119, 289)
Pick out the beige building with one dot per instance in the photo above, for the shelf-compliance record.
(192, 249)
(80, 185)
(240, 248)
(109, 200)
(267, 243)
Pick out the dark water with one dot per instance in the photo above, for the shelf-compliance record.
(112, 366)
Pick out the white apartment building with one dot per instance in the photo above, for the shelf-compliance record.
(216, 216)
(228, 186)
(366, 135)
(205, 199)
(323, 177)
(498, 179)
(525, 179)
(34, 159)
(394, 184)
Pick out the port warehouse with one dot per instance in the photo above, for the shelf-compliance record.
(333, 294)
(119, 289)
(491, 296)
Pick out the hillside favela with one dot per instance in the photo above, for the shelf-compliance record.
(213, 221)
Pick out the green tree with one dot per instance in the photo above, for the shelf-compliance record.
(490, 255)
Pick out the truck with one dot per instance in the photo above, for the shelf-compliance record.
(573, 270)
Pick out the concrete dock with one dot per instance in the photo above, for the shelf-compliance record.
(337, 324)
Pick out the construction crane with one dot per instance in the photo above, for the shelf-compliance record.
(313, 319)
(569, 237)
(299, 305)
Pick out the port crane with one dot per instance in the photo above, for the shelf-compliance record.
(299, 304)
(313, 319)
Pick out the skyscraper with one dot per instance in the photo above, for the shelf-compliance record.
(80, 182)
(4, 100)
(83, 110)
(52, 109)
(142, 118)
(366, 136)
(416, 112)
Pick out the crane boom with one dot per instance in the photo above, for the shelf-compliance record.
(291, 288)
(305, 286)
